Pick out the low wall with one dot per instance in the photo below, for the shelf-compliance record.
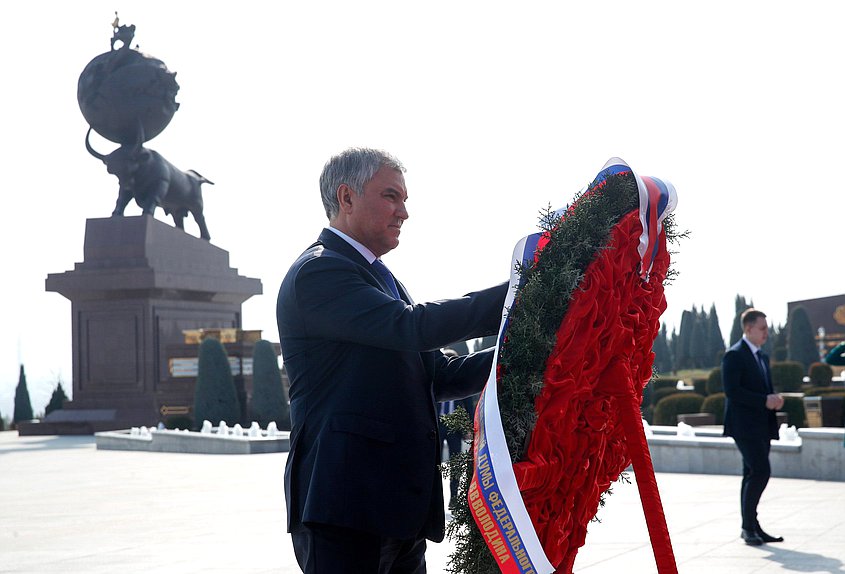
(817, 454)
(192, 442)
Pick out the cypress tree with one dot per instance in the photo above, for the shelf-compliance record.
(23, 406)
(215, 397)
(800, 339)
(740, 305)
(683, 359)
(57, 400)
(269, 403)
(715, 340)
(777, 336)
(674, 349)
(662, 355)
(698, 339)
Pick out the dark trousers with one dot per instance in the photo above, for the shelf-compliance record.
(326, 549)
(755, 476)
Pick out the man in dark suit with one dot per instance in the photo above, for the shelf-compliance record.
(750, 419)
(362, 483)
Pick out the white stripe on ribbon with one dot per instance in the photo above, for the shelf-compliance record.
(494, 435)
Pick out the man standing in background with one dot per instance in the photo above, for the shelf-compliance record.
(750, 405)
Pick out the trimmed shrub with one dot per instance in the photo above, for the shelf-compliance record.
(794, 409)
(715, 405)
(23, 406)
(179, 422)
(714, 382)
(215, 397)
(2, 423)
(821, 374)
(699, 385)
(667, 410)
(787, 376)
(648, 413)
(665, 383)
(57, 400)
(269, 403)
(660, 394)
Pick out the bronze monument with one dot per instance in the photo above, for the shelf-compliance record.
(129, 98)
(142, 283)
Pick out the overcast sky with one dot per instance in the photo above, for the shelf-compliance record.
(496, 109)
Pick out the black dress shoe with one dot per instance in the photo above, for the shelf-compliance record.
(768, 537)
(751, 538)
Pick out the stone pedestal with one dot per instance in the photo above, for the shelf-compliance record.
(141, 284)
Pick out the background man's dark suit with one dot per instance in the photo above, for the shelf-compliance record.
(365, 372)
(750, 423)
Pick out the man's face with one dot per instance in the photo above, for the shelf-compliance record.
(758, 332)
(375, 218)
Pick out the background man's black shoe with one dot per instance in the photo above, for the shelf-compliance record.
(751, 538)
(768, 537)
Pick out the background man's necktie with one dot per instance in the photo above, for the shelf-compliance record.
(762, 366)
(387, 276)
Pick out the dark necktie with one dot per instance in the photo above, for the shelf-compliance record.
(385, 274)
(762, 366)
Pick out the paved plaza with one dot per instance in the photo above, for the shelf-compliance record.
(67, 507)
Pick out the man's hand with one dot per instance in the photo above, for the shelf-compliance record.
(774, 401)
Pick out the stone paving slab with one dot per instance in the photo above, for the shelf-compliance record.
(66, 507)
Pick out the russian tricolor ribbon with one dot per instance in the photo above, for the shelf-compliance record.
(658, 199)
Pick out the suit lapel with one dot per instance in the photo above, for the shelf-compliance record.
(332, 241)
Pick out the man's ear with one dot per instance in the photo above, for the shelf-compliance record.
(344, 197)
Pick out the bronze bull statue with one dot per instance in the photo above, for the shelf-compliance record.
(143, 174)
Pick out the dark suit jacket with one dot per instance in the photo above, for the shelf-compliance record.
(365, 370)
(746, 415)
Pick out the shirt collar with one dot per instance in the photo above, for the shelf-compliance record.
(359, 247)
(754, 348)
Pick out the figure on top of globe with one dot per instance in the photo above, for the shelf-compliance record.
(122, 89)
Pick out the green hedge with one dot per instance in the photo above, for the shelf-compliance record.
(667, 410)
(665, 383)
(787, 376)
(714, 382)
(659, 394)
(646, 410)
(794, 408)
(821, 374)
(215, 397)
(181, 422)
(269, 403)
(699, 385)
(715, 405)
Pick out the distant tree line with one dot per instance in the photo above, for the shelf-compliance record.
(699, 344)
